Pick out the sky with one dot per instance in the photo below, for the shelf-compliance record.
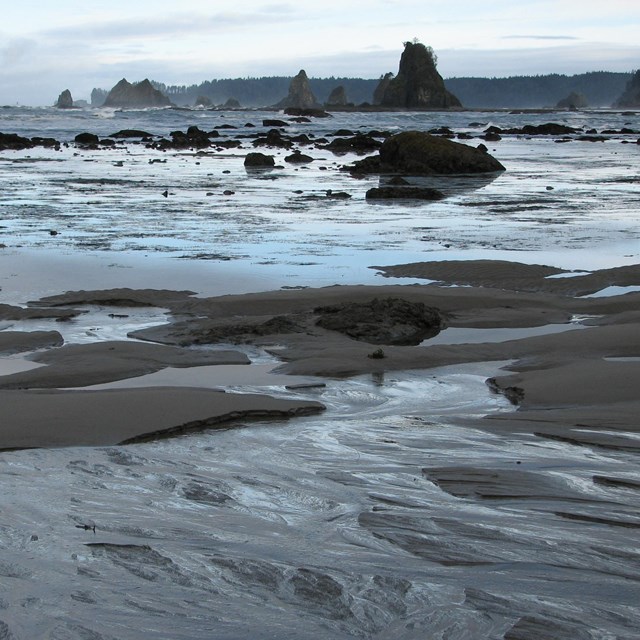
(50, 45)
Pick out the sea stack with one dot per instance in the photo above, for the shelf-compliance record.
(65, 100)
(137, 96)
(418, 84)
(300, 94)
(630, 99)
(573, 102)
(337, 98)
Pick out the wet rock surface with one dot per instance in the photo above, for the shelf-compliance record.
(382, 321)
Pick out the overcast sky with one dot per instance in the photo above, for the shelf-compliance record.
(50, 45)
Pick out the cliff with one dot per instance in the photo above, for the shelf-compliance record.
(630, 99)
(138, 95)
(418, 85)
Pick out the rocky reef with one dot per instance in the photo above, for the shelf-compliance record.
(630, 99)
(418, 84)
(65, 100)
(136, 95)
(300, 94)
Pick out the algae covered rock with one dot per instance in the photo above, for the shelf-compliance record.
(419, 153)
(418, 84)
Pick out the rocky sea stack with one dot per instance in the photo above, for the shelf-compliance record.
(630, 99)
(300, 94)
(138, 95)
(418, 84)
(65, 100)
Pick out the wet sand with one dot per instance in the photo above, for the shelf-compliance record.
(563, 383)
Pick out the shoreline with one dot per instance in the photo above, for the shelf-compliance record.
(561, 379)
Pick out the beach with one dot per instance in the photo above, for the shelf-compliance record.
(193, 444)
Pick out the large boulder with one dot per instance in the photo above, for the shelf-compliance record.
(300, 94)
(65, 100)
(138, 95)
(419, 153)
(418, 84)
(630, 99)
(382, 321)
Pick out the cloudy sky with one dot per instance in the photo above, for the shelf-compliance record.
(47, 45)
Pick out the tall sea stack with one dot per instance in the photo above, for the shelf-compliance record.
(65, 100)
(300, 94)
(418, 84)
(630, 99)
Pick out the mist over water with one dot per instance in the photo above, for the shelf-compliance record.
(342, 525)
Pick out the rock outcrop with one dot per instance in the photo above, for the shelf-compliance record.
(378, 93)
(382, 321)
(419, 153)
(139, 95)
(300, 94)
(65, 100)
(337, 98)
(418, 84)
(630, 99)
(203, 101)
(573, 101)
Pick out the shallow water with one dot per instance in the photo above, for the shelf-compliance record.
(328, 526)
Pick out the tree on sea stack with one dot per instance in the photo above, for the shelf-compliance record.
(418, 84)
(630, 99)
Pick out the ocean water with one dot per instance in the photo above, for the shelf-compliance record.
(327, 526)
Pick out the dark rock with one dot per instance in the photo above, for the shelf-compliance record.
(64, 101)
(337, 97)
(403, 193)
(256, 159)
(87, 138)
(273, 139)
(298, 158)
(232, 103)
(274, 123)
(382, 321)
(14, 141)
(418, 84)
(307, 112)
(380, 90)
(573, 101)
(138, 95)
(360, 143)
(547, 129)
(419, 153)
(131, 133)
(300, 94)
(631, 95)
